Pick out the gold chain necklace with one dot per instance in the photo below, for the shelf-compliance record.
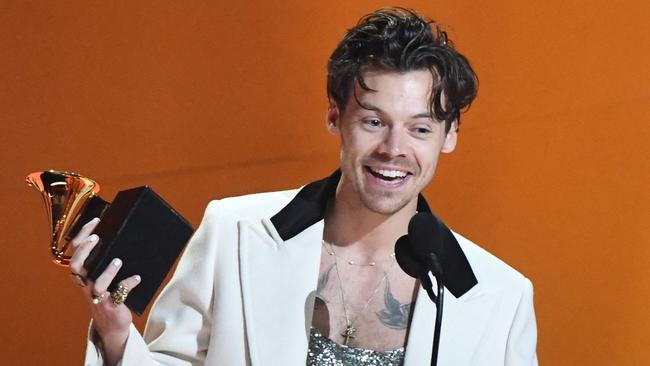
(350, 331)
(353, 262)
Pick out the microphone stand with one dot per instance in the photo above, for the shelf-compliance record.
(436, 270)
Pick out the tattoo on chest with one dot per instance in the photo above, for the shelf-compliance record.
(395, 315)
(322, 282)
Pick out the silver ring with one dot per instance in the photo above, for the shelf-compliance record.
(97, 299)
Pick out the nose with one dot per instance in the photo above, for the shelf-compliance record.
(393, 143)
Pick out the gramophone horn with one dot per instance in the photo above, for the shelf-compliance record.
(70, 201)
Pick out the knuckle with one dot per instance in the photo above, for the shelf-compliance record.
(101, 284)
(107, 275)
(75, 265)
(76, 261)
(111, 270)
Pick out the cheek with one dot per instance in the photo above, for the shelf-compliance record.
(428, 160)
(354, 149)
(348, 156)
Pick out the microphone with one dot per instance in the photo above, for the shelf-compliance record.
(406, 258)
(426, 235)
(413, 265)
(418, 254)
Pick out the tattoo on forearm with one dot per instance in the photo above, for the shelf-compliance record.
(322, 282)
(395, 315)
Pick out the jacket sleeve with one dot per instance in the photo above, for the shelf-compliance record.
(178, 329)
(522, 338)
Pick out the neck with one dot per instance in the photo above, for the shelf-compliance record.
(348, 223)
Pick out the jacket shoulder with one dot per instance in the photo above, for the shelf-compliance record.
(490, 271)
(250, 206)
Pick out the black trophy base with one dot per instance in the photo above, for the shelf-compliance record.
(147, 234)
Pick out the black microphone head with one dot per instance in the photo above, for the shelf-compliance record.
(425, 235)
(406, 258)
(435, 245)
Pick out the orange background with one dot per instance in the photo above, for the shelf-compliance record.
(210, 99)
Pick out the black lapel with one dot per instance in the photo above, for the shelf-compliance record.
(307, 208)
(457, 272)
(309, 205)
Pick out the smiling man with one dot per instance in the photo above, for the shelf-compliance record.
(390, 140)
(309, 276)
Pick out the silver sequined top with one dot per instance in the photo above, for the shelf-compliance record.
(325, 352)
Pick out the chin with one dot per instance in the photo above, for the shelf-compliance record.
(384, 205)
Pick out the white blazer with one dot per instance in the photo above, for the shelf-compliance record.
(243, 295)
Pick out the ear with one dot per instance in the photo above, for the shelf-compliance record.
(450, 139)
(333, 117)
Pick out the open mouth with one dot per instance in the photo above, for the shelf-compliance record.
(390, 176)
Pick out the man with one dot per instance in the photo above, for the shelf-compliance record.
(309, 276)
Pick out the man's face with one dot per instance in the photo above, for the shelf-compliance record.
(390, 144)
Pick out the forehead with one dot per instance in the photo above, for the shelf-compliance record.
(397, 90)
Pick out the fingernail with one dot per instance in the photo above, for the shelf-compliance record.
(137, 278)
(93, 238)
(95, 220)
(117, 262)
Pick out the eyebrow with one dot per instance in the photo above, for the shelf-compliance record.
(370, 107)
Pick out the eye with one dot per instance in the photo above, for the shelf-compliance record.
(422, 130)
(373, 122)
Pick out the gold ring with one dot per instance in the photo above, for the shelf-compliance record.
(99, 298)
(120, 294)
(78, 279)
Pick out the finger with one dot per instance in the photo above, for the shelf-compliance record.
(131, 282)
(105, 279)
(96, 299)
(79, 257)
(88, 228)
(78, 280)
(125, 287)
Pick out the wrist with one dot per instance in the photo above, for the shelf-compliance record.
(112, 345)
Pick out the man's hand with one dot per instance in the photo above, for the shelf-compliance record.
(110, 321)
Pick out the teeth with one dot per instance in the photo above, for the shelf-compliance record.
(390, 173)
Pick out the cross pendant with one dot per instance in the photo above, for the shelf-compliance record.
(348, 333)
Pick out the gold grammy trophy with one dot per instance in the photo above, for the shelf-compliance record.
(138, 226)
(67, 197)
